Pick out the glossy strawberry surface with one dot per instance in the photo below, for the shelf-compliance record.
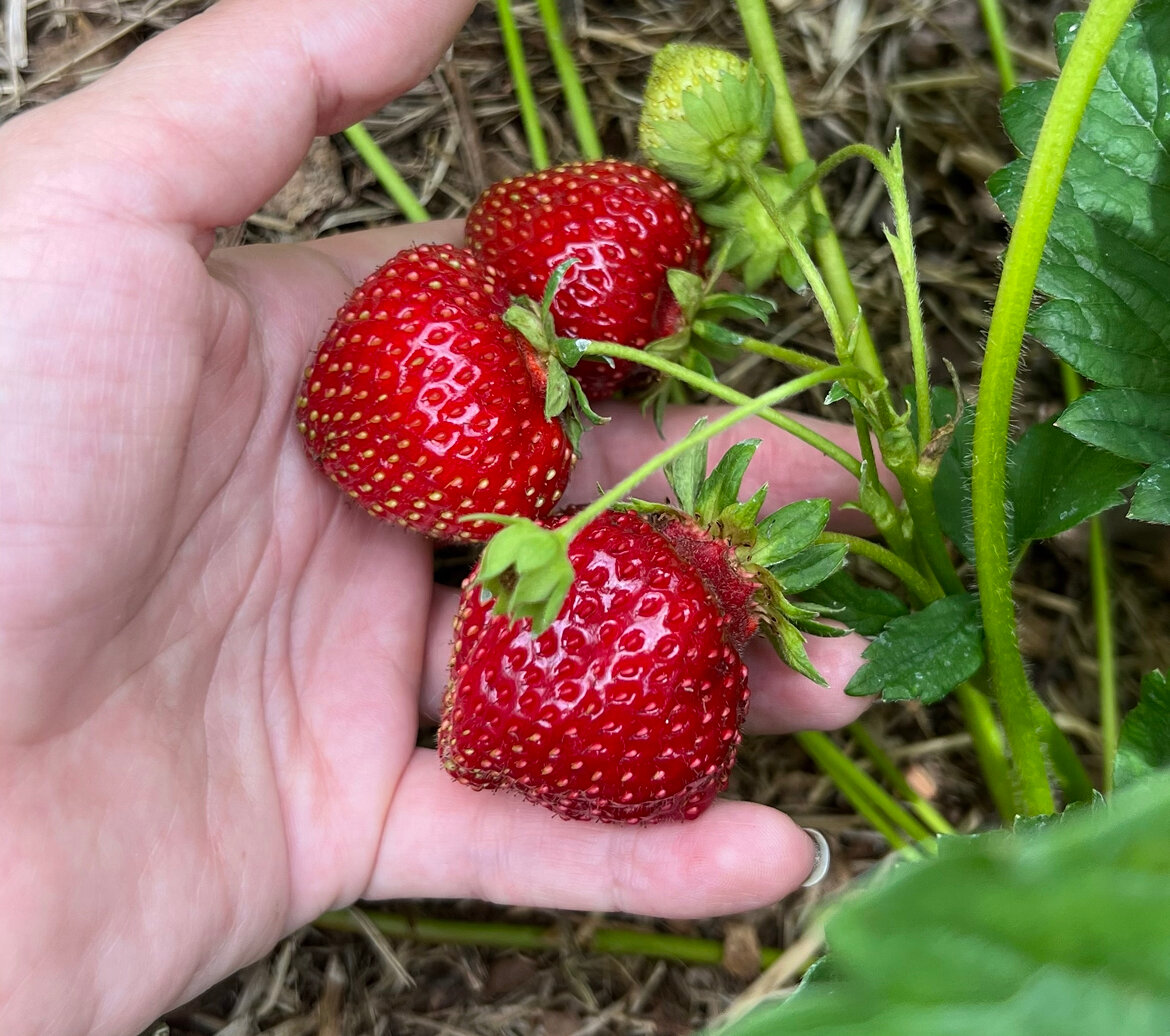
(423, 405)
(624, 224)
(626, 709)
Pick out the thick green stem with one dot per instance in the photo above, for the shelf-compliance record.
(522, 85)
(870, 799)
(729, 395)
(761, 40)
(708, 431)
(579, 113)
(1098, 30)
(914, 581)
(537, 938)
(1001, 53)
(886, 767)
(383, 169)
(793, 357)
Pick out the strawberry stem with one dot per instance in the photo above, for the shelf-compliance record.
(793, 357)
(700, 435)
(987, 740)
(789, 136)
(993, 25)
(1021, 719)
(706, 385)
(579, 113)
(522, 85)
(536, 938)
(383, 169)
(923, 589)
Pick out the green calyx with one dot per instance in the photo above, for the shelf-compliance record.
(564, 396)
(705, 112)
(526, 568)
(779, 552)
(752, 245)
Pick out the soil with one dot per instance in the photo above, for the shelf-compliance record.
(861, 70)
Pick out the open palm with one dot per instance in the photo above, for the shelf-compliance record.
(214, 667)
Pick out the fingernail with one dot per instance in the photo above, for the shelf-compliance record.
(821, 865)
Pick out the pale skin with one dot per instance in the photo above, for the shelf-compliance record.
(214, 666)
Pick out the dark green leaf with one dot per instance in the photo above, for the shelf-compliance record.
(1144, 746)
(1151, 498)
(1128, 422)
(1106, 265)
(952, 483)
(863, 609)
(1055, 482)
(1060, 931)
(789, 530)
(924, 655)
(809, 567)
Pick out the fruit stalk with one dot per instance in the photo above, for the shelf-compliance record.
(1100, 27)
(915, 582)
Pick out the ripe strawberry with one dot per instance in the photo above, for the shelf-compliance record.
(624, 224)
(622, 701)
(423, 405)
(627, 708)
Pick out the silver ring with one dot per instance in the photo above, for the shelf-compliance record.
(821, 865)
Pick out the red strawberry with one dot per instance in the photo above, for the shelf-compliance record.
(423, 405)
(619, 693)
(624, 224)
(627, 708)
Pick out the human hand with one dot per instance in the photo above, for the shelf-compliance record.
(214, 667)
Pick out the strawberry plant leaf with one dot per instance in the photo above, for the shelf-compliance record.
(1151, 498)
(1128, 422)
(1106, 266)
(924, 655)
(1055, 482)
(1144, 746)
(1056, 930)
(789, 530)
(865, 610)
(812, 565)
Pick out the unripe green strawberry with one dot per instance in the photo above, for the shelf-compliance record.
(705, 112)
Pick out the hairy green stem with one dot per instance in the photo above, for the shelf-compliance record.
(579, 113)
(383, 169)
(749, 409)
(536, 938)
(887, 816)
(522, 85)
(789, 136)
(793, 357)
(1098, 31)
(909, 576)
(919, 497)
(886, 767)
(993, 25)
(1066, 764)
(729, 395)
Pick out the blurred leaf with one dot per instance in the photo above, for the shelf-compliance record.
(1151, 498)
(863, 609)
(924, 655)
(1145, 733)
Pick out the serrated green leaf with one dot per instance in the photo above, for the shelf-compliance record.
(790, 529)
(721, 488)
(1055, 482)
(809, 567)
(1060, 931)
(1106, 265)
(924, 655)
(1144, 745)
(866, 610)
(1151, 497)
(1128, 422)
(686, 472)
